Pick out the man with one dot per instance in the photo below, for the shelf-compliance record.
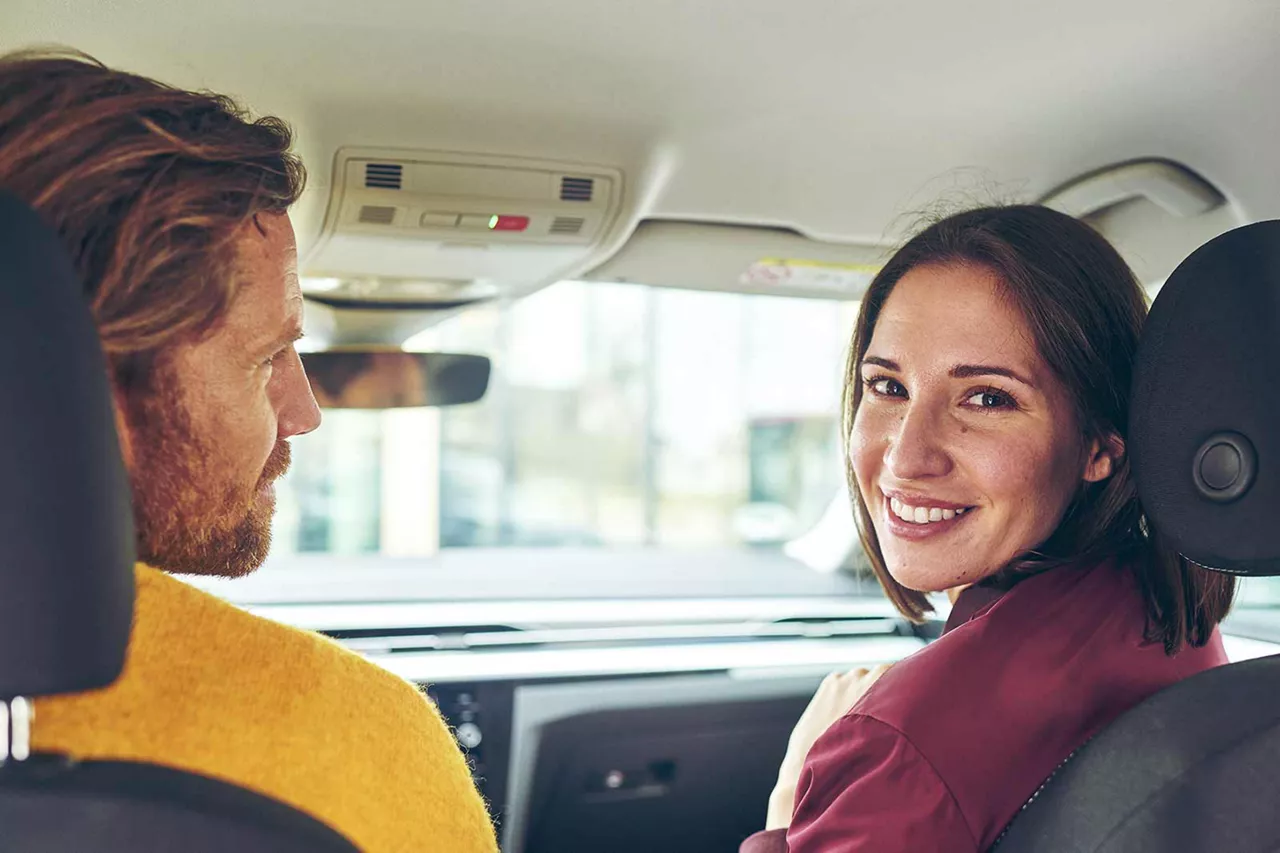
(174, 206)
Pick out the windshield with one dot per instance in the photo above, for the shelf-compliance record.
(618, 415)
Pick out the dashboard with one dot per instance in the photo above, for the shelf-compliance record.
(602, 724)
(612, 702)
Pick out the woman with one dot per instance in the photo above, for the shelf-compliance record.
(986, 404)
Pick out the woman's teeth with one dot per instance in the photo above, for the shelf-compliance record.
(922, 514)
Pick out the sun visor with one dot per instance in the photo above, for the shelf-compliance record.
(742, 259)
(1205, 428)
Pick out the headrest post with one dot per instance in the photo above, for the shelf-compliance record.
(16, 717)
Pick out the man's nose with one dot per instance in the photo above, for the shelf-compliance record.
(298, 413)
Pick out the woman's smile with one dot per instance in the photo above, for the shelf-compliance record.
(917, 518)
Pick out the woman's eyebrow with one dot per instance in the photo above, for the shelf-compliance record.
(969, 371)
(960, 371)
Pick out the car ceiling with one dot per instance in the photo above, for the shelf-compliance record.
(834, 117)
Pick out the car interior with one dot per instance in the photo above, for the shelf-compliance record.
(580, 281)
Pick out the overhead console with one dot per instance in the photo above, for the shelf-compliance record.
(406, 228)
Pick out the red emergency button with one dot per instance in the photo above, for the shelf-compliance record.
(503, 222)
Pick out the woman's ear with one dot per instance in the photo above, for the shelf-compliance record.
(1104, 457)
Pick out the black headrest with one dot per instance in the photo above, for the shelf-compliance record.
(1205, 426)
(66, 521)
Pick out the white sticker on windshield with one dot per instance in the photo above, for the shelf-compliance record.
(786, 273)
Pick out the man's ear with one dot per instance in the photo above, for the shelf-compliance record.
(122, 427)
(1104, 457)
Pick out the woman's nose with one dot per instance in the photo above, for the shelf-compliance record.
(917, 448)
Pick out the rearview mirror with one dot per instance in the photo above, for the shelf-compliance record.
(392, 379)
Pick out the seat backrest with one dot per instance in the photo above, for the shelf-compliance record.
(67, 588)
(51, 805)
(1197, 766)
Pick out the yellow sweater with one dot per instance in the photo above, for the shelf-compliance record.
(212, 689)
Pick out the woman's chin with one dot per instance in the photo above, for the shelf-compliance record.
(923, 578)
(929, 564)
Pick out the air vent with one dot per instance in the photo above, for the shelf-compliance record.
(383, 176)
(576, 189)
(567, 225)
(377, 215)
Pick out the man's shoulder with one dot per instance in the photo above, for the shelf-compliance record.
(189, 627)
(211, 688)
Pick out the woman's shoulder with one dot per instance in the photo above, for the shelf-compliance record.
(1068, 622)
(1011, 692)
(867, 785)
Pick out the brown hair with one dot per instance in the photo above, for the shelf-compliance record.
(147, 185)
(1085, 310)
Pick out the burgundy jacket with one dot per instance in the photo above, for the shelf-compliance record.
(942, 752)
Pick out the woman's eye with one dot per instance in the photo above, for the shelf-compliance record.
(990, 398)
(885, 387)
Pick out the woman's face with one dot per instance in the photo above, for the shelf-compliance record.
(965, 446)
